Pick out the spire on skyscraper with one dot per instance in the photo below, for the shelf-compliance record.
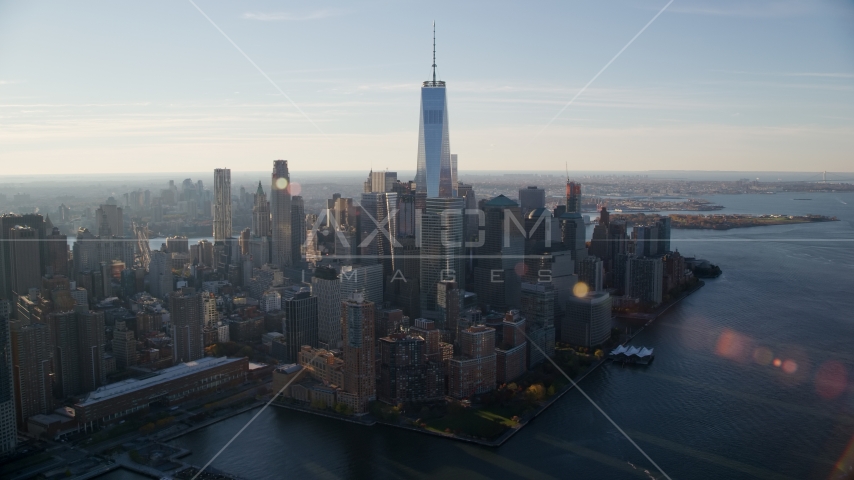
(434, 51)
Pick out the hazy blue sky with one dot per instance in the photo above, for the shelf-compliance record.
(101, 86)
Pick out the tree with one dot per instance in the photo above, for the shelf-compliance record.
(535, 392)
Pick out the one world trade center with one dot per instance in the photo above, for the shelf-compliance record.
(436, 174)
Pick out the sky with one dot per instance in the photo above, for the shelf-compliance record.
(119, 87)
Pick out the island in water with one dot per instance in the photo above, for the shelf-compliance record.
(722, 221)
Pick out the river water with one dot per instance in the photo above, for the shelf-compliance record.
(712, 405)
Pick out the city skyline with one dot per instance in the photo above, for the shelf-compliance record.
(727, 96)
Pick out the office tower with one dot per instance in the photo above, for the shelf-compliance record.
(160, 274)
(32, 370)
(7, 222)
(496, 278)
(531, 198)
(590, 271)
(402, 288)
(573, 230)
(473, 370)
(646, 240)
(128, 283)
(297, 229)
(599, 246)
(441, 250)
(380, 182)
(664, 227)
(644, 277)
(186, 309)
(91, 332)
(209, 313)
(379, 230)
(178, 244)
(556, 268)
(326, 286)
(573, 197)
(109, 219)
(511, 357)
(405, 373)
(448, 303)
(367, 280)
(260, 214)
(124, 346)
(471, 219)
(57, 253)
(24, 256)
(66, 354)
(357, 317)
(300, 323)
(434, 174)
(588, 320)
(8, 428)
(280, 209)
(538, 308)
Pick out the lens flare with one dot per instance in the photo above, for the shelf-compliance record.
(281, 183)
(580, 289)
(520, 269)
(733, 345)
(762, 356)
(294, 189)
(790, 366)
(831, 379)
(777, 362)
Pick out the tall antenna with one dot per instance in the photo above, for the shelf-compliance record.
(434, 51)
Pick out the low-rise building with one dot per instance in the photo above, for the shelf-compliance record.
(172, 386)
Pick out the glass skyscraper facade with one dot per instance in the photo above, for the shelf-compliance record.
(436, 173)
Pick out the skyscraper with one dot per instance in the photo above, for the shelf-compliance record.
(7, 222)
(357, 317)
(300, 323)
(32, 375)
(531, 198)
(109, 219)
(160, 274)
(297, 229)
(24, 249)
(91, 330)
(435, 173)
(496, 279)
(57, 253)
(187, 309)
(588, 319)
(8, 430)
(326, 286)
(280, 208)
(441, 250)
(260, 214)
(66, 354)
(222, 204)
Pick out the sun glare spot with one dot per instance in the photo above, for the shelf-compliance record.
(762, 356)
(580, 289)
(790, 366)
(281, 183)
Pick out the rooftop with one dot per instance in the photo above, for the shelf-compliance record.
(127, 386)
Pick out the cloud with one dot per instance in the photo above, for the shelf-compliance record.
(293, 17)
